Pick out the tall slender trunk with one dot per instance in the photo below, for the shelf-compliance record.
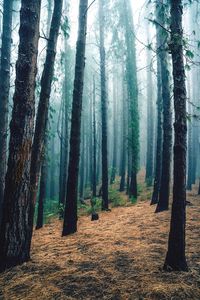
(103, 108)
(150, 122)
(124, 142)
(15, 231)
(82, 175)
(175, 258)
(4, 91)
(94, 169)
(43, 184)
(131, 70)
(158, 160)
(163, 202)
(70, 213)
(114, 162)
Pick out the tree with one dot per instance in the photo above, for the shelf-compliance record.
(158, 160)
(43, 107)
(175, 258)
(15, 231)
(163, 202)
(132, 86)
(103, 106)
(70, 213)
(4, 91)
(94, 165)
(150, 121)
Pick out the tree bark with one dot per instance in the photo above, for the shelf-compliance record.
(70, 213)
(15, 231)
(4, 91)
(175, 259)
(43, 106)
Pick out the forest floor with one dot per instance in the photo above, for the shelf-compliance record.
(120, 256)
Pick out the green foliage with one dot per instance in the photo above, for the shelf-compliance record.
(133, 200)
(116, 198)
(189, 54)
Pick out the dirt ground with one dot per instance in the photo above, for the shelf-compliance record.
(119, 256)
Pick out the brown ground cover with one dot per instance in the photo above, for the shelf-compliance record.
(120, 256)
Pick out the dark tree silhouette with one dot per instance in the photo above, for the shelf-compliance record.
(70, 213)
(15, 231)
(175, 259)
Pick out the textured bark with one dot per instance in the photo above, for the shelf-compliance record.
(43, 106)
(103, 108)
(15, 231)
(163, 202)
(175, 259)
(70, 213)
(4, 91)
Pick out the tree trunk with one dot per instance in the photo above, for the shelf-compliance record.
(158, 160)
(133, 96)
(103, 108)
(114, 162)
(4, 91)
(163, 202)
(43, 183)
(42, 113)
(175, 259)
(150, 122)
(70, 213)
(15, 232)
(124, 142)
(94, 169)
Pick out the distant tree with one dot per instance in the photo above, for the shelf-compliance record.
(132, 85)
(150, 120)
(103, 105)
(4, 91)
(94, 168)
(15, 230)
(70, 213)
(158, 156)
(163, 202)
(175, 259)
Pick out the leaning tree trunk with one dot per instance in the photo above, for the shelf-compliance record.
(4, 91)
(42, 113)
(163, 202)
(175, 259)
(15, 227)
(70, 213)
(103, 108)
